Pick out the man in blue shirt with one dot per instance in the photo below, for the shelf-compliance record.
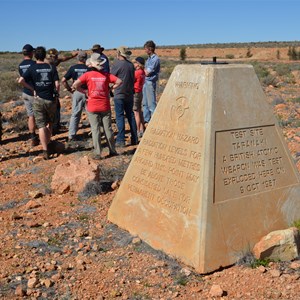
(152, 69)
(27, 94)
(45, 81)
(78, 98)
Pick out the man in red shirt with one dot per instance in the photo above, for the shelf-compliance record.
(98, 102)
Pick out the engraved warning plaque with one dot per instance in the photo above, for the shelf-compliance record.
(250, 161)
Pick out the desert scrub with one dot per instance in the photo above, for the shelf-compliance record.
(9, 87)
(261, 70)
(229, 56)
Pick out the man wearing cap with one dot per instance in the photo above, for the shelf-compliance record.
(27, 94)
(98, 49)
(45, 79)
(78, 98)
(123, 96)
(152, 69)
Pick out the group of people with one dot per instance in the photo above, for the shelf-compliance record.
(132, 84)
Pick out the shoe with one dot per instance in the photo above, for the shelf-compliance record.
(133, 143)
(46, 155)
(96, 156)
(112, 154)
(55, 147)
(120, 144)
(140, 134)
(35, 141)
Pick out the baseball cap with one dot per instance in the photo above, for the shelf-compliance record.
(124, 51)
(28, 48)
(97, 47)
(139, 60)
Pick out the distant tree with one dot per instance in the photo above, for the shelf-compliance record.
(183, 54)
(278, 54)
(249, 54)
(292, 53)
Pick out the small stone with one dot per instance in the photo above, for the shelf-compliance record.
(37, 159)
(20, 291)
(16, 216)
(115, 185)
(216, 291)
(56, 277)
(295, 265)
(48, 283)
(136, 241)
(186, 271)
(32, 282)
(261, 269)
(35, 194)
(275, 273)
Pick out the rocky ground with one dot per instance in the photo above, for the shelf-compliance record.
(63, 247)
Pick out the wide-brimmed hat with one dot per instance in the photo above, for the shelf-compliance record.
(97, 47)
(96, 61)
(124, 51)
(140, 61)
(52, 52)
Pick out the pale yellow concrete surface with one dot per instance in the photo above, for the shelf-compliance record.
(212, 174)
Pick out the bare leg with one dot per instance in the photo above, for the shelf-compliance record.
(31, 124)
(45, 135)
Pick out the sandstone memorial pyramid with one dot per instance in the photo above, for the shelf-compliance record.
(212, 173)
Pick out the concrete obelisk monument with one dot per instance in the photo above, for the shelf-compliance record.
(212, 173)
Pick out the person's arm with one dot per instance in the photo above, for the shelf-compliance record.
(117, 83)
(22, 81)
(57, 85)
(65, 83)
(76, 85)
(65, 58)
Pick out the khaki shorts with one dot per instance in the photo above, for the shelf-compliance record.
(137, 101)
(44, 111)
(28, 101)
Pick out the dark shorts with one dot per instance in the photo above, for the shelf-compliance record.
(137, 101)
(44, 112)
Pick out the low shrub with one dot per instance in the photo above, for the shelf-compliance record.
(229, 56)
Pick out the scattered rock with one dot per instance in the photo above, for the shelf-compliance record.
(275, 273)
(32, 283)
(35, 194)
(74, 175)
(295, 265)
(136, 241)
(20, 291)
(280, 245)
(216, 291)
(32, 204)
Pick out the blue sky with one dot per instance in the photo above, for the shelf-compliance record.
(72, 24)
